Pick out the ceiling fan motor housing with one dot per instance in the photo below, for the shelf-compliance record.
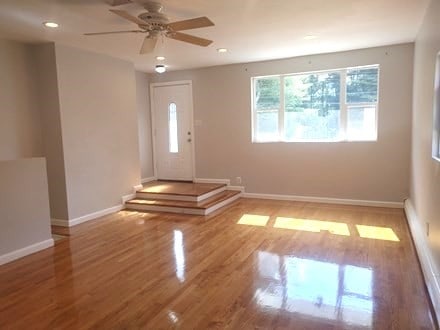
(154, 19)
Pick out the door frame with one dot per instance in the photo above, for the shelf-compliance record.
(191, 114)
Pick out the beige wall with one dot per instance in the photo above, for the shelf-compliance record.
(144, 123)
(46, 78)
(20, 131)
(99, 125)
(354, 170)
(24, 204)
(425, 172)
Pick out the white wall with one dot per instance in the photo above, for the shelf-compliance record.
(425, 172)
(353, 170)
(24, 207)
(20, 130)
(144, 123)
(97, 96)
(46, 78)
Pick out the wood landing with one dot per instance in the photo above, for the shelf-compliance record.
(182, 197)
(180, 188)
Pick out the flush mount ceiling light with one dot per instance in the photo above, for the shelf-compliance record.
(160, 58)
(50, 24)
(160, 68)
(310, 37)
(222, 50)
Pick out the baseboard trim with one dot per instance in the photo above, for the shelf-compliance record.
(145, 180)
(219, 181)
(20, 253)
(59, 222)
(325, 200)
(237, 188)
(87, 217)
(128, 197)
(137, 187)
(432, 277)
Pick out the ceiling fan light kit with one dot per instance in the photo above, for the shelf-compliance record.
(160, 68)
(50, 24)
(155, 24)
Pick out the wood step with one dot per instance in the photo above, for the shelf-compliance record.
(179, 191)
(189, 207)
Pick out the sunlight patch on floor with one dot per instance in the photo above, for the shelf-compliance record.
(253, 220)
(381, 233)
(156, 188)
(127, 212)
(337, 228)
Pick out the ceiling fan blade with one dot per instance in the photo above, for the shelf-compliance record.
(148, 45)
(189, 24)
(117, 2)
(112, 32)
(126, 15)
(189, 38)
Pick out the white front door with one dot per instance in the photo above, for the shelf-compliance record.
(173, 130)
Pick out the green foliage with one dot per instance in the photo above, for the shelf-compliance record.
(267, 93)
(314, 91)
(362, 85)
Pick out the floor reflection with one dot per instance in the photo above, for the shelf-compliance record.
(179, 255)
(315, 289)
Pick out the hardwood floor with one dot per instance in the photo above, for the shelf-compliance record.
(258, 264)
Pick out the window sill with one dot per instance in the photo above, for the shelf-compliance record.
(317, 141)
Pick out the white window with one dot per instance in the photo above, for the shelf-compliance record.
(319, 106)
(436, 121)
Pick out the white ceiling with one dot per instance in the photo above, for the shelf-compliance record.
(252, 30)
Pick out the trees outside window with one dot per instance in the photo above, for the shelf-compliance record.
(320, 106)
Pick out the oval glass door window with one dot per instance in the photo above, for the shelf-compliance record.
(172, 128)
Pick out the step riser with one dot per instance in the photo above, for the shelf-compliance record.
(222, 204)
(181, 210)
(184, 198)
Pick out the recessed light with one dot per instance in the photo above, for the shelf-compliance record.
(160, 58)
(160, 68)
(222, 50)
(310, 37)
(50, 24)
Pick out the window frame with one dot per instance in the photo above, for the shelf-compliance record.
(436, 112)
(344, 106)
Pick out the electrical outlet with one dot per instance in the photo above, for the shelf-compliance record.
(238, 179)
(427, 229)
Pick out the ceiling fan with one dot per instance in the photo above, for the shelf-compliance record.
(155, 24)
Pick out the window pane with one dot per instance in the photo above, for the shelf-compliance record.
(436, 126)
(312, 104)
(361, 123)
(362, 85)
(267, 125)
(267, 105)
(267, 93)
(172, 128)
